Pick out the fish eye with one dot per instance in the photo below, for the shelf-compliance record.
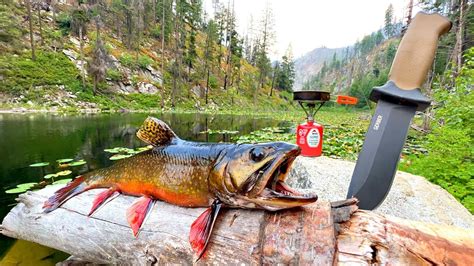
(257, 154)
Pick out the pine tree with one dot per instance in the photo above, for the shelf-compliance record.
(286, 74)
(266, 38)
(231, 40)
(389, 27)
(211, 39)
(193, 20)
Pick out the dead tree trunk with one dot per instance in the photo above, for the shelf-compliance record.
(30, 23)
(321, 233)
(40, 24)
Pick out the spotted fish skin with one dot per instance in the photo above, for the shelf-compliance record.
(177, 173)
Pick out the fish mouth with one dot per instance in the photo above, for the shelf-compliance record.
(267, 188)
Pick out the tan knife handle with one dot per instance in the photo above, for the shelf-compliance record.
(417, 49)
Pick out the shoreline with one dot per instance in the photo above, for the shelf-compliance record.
(23, 110)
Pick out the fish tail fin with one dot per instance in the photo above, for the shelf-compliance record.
(72, 188)
(201, 228)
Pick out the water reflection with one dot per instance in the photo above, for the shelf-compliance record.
(29, 138)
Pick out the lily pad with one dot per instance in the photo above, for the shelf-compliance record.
(114, 150)
(39, 164)
(48, 176)
(63, 173)
(141, 149)
(26, 185)
(119, 156)
(16, 190)
(62, 181)
(77, 163)
(64, 160)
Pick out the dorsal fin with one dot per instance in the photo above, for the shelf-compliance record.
(155, 132)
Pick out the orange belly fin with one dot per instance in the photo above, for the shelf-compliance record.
(201, 228)
(137, 212)
(101, 198)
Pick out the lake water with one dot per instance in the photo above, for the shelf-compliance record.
(30, 138)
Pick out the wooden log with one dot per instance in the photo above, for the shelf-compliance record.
(320, 233)
(369, 238)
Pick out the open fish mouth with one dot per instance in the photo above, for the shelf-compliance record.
(267, 188)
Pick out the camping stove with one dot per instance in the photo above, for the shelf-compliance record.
(309, 136)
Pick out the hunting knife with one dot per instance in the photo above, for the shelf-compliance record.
(397, 101)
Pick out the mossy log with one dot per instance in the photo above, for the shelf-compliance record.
(321, 233)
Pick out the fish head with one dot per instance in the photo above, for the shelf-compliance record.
(253, 176)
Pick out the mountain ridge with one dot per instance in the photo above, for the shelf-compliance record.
(312, 62)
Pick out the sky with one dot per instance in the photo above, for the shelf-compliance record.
(309, 24)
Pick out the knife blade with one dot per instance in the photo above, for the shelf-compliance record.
(397, 101)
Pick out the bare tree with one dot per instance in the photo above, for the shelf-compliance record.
(460, 32)
(97, 66)
(275, 73)
(38, 9)
(30, 22)
(267, 36)
(163, 54)
(177, 52)
(408, 16)
(79, 20)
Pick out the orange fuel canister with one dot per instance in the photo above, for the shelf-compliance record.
(309, 137)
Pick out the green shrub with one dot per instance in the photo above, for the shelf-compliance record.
(127, 60)
(449, 161)
(114, 74)
(213, 82)
(144, 61)
(156, 32)
(21, 73)
(64, 22)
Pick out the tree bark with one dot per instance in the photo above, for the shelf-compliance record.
(81, 50)
(30, 22)
(320, 233)
(457, 51)
(275, 71)
(53, 8)
(39, 24)
(162, 55)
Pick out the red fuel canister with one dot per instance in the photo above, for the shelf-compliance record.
(309, 137)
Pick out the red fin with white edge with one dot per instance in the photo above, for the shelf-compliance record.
(137, 212)
(201, 228)
(101, 198)
(73, 188)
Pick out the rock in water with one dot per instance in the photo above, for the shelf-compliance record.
(411, 197)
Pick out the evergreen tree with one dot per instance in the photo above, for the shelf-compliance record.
(209, 57)
(192, 15)
(389, 25)
(286, 73)
(266, 38)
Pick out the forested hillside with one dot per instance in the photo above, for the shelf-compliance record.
(445, 132)
(355, 70)
(311, 64)
(135, 55)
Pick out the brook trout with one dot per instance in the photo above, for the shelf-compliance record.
(192, 174)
